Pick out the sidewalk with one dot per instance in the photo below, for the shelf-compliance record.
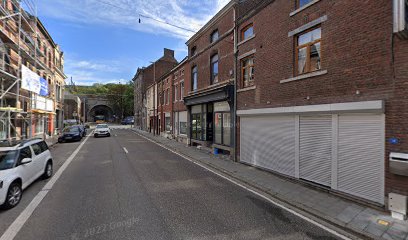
(321, 205)
(51, 140)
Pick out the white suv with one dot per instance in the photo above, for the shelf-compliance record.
(102, 130)
(20, 165)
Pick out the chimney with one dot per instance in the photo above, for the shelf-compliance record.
(168, 53)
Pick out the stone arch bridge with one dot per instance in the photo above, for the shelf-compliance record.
(97, 107)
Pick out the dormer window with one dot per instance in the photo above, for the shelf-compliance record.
(214, 36)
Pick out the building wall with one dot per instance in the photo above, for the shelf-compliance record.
(205, 50)
(357, 53)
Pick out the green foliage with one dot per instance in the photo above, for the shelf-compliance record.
(121, 96)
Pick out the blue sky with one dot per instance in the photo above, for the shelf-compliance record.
(104, 44)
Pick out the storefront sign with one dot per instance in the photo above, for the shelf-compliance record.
(30, 80)
(41, 103)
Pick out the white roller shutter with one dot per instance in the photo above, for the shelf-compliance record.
(315, 148)
(361, 156)
(269, 142)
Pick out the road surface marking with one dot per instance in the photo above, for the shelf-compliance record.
(332, 231)
(19, 222)
(126, 151)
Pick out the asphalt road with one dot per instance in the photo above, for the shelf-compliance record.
(148, 193)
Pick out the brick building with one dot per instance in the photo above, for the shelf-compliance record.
(181, 87)
(210, 99)
(146, 77)
(322, 94)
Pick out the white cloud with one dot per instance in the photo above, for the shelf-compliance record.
(190, 14)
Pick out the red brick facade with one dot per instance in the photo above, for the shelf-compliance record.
(364, 61)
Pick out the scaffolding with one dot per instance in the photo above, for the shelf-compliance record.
(19, 45)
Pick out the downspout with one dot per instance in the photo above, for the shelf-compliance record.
(234, 111)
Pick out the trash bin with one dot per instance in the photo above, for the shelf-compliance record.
(216, 151)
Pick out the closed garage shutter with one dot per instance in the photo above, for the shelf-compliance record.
(269, 142)
(361, 156)
(315, 143)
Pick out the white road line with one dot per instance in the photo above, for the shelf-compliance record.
(126, 151)
(16, 226)
(252, 191)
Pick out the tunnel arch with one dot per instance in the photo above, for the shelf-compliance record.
(101, 110)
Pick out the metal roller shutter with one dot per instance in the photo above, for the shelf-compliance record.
(269, 142)
(315, 148)
(361, 156)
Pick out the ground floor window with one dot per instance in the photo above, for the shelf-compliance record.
(222, 123)
(183, 128)
(168, 124)
(202, 122)
(196, 128)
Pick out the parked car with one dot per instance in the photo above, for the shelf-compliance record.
(20, 165)
(102, 130)
(128, 120)
(82, 129)
(72, 133)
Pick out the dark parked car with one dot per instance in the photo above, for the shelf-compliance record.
(72, 133)
(82, 129)
(128, 120)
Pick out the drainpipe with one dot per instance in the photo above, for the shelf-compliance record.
(234, 111)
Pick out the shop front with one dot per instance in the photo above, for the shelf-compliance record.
(209, 118)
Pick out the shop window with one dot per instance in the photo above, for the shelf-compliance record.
(248, 71)
(194, 78)
(196, 126)
(214, 69)
(168, 124)
(247, 32)
(183, 128)
(222, 123)
(308, 51)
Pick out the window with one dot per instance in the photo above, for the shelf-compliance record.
(183, 128)
(193, 51)
(37, 149)
(308, 52)
(24, 153)
(168, 96)
(196, 126)
(194, 76)
(214, 36)
(248, 71)
(175, 93)
(301, 3)
(181, 91)
(44, 146)
(247, 32)
(214, 69)
(168, 124)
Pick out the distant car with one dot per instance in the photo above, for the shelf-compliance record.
(20, 165)
(128, 120)
(82, 129)
(69, 134)
(102, 130)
